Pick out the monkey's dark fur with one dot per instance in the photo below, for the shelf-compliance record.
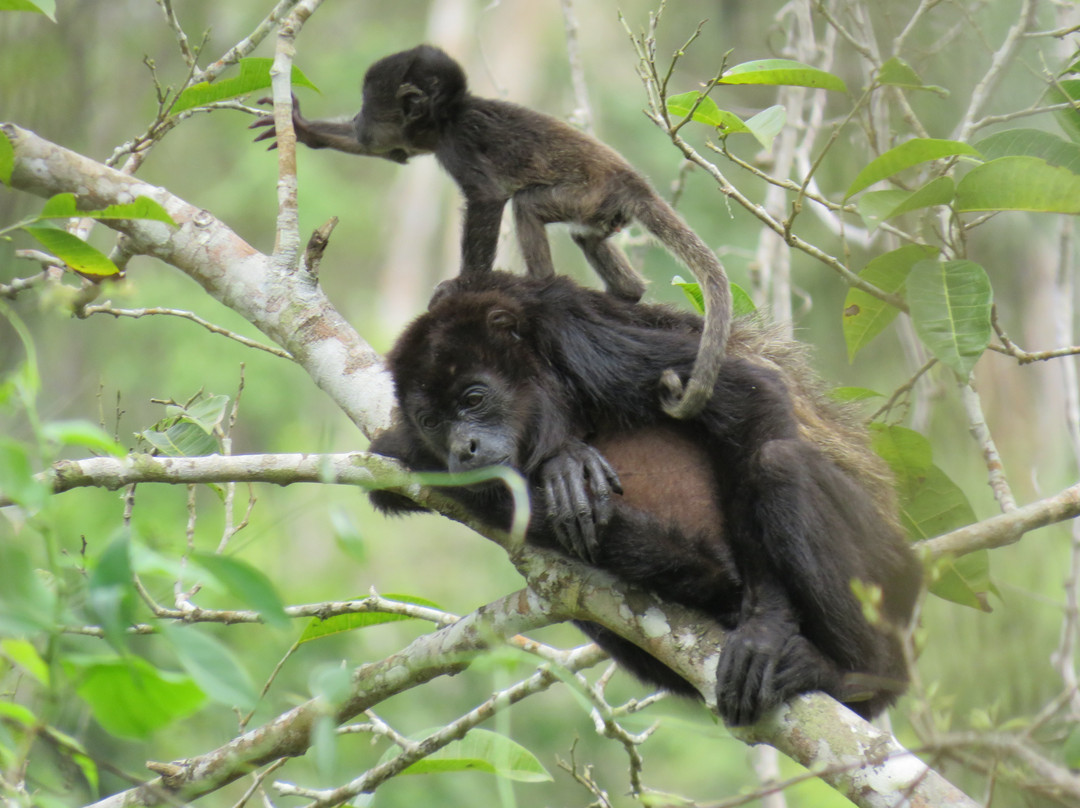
(760, 511)
(416, 102)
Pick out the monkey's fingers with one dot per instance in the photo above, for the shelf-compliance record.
(569, 509)
(803, 667)
(572, 529)
(602, 474)
(604, 482)
(740, 675)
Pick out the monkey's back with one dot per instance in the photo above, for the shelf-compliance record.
(522, 148)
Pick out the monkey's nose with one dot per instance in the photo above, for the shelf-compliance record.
(465, 453)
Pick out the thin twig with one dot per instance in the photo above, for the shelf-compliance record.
(181, 38)
(540, 681)
(582, 115)
(999, 483)
(106, 308)
(994, 72)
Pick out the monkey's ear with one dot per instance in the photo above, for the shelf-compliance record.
(413, 100)
(503, 321)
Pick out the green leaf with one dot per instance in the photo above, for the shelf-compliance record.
(851, 395)
(932, 504)
(82, 433)
(63, 206)
(185, 439)
(898, 73)
(1032, 143)
(964, 580)
(130, 698)
(25, 655)
(480, 750)
(7, 157)
(1066, 91)
(950, 305)
(782, 72)
(339, 623)
(707, 112)
(877, 206)
(46, 7)
(766, 125)
(207, 413)
(906, 155)
(212, 666)
(73, 251)
(77, 752)
(18, 714)
(741, 302)
(324, 746)
(254, 75)
(908, 453)
(26, 605)
(692, 290)
(1019, 183)
(347, 534)
(247, 584)
(17, 480)
(865, 316)
(111, 598)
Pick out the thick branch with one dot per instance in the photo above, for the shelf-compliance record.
(367, 470)
(289, 307)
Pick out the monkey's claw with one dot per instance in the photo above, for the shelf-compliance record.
(577, 485)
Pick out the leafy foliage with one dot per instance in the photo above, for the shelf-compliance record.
(254, 76)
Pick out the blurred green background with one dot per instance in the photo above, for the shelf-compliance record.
(82, 83)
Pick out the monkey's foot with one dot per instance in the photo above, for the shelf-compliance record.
(765, 663)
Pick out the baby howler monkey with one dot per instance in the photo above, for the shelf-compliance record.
(417, 102)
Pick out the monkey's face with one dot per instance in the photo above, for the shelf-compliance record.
(470, 423)
(391, 122)
(381, 132)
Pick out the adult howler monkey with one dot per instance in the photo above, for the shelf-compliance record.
(416, 102)
(760, 511)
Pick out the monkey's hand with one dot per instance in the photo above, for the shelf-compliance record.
(299, 123)
(577, 485)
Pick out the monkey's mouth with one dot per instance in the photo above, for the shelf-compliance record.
(457, 467)
(398, 156)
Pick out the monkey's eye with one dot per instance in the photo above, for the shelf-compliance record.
(473, 397)
(427, 421)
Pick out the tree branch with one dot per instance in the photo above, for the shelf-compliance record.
(288, 307)
(443, 652)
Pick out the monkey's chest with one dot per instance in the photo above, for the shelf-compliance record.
(667, 475)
